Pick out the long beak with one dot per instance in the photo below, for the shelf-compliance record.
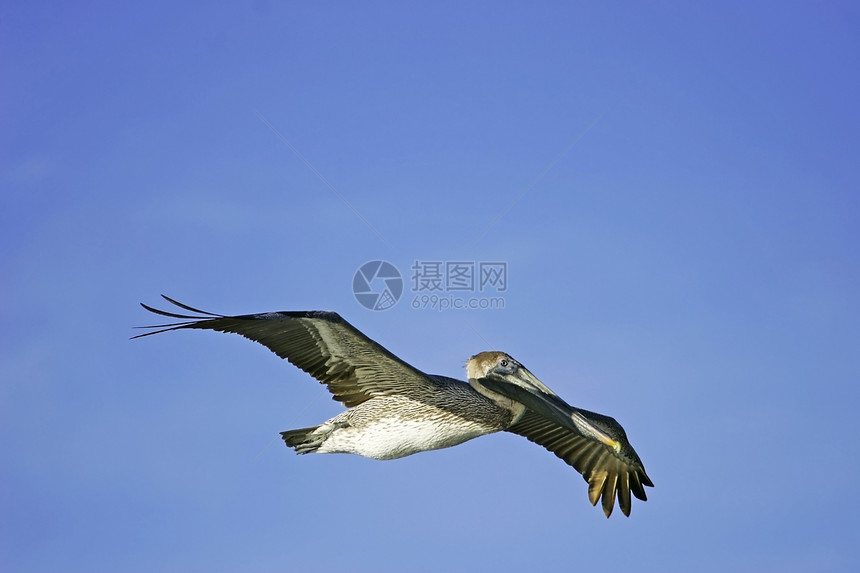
(525, 388)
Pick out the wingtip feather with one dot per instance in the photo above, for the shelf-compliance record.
(595, 486)
(609, 494)
(624, 501)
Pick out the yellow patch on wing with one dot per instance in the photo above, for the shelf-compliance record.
(614, 444)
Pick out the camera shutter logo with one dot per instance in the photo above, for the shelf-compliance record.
(377, 285)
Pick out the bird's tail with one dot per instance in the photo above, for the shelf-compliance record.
(303, 440)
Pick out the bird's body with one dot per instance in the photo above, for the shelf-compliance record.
(389, 427)
(395, 410)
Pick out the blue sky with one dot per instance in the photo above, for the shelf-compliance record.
(674, 191)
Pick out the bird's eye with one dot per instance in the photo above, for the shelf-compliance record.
(504, 362)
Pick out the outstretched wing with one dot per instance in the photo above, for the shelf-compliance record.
(354, 367)
(607, 470)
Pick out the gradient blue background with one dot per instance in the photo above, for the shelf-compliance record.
(689, 266)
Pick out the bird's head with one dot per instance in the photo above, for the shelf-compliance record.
(501, 367)
(492, 374)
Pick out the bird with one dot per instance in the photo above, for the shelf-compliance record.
(395, 410)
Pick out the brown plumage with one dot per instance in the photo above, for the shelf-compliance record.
(395, 410)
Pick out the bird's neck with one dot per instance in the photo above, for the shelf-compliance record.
(515, 408)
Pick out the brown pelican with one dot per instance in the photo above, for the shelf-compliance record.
(395, 410)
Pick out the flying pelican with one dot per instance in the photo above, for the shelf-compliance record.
(395, 410)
